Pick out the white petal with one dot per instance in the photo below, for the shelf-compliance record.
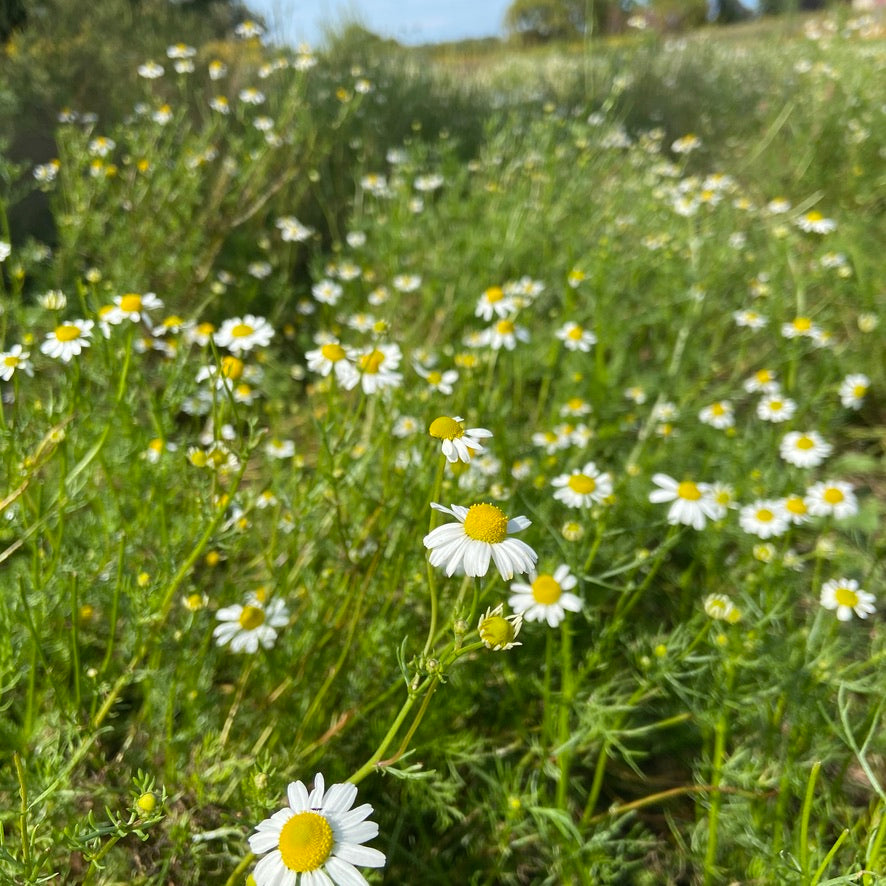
(344, 873)
(476, 558)
(315, 801)
(358, 832)
(340, 798)
(365, 856)
(297, 794)
(518, 523)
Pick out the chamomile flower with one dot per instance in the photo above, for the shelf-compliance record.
(377, 367)
(327, 292)
(405, 426)
(718, 415)
(458, 444)
(776, 408)
(765, 519)
(245, 628)
(814, 222)
(584, 488)
(480, 535)
(332, 357)
(795, 509)
(749, 319)
(67, 340)
(799, 327)
(15, 360)
(499, 631)
(546, 597)
(318, 836)
(440, 382)
(691, 503)
(804, 449)
(504, 334)
(292, 230)
(763, 380)
(133, 307)
(494, 303)
(845, 596)
(834, 498)
(853, 389)
(406, 282)
(282, 449)
(576, 338)
(242, 334)
(721, 608)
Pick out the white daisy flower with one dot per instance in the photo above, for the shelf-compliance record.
(576, 338)
(292, 230)
(15, 360)
(276, 448)
(504, 334)
(765, 519)
(721, 608)
(831, 499)
(853, 389)
(405, 426)
(546, 597)
(328, 292)
(406, 282)
(332, 357)
(132, 306)
(241, 334)
(800, 327)
(318, 836)
(377, 367)
(718, 415)
(494, 303)
(245, 628)
(458, 443)
(804, 449)
(150, 70)
(692, 504)
(68, 340)
(441, 382)
(480, 534)
(776, 408)
(763, 380)
(584, 488)
(814, 222)
(749, 319)
(794, 509)
(844, 595)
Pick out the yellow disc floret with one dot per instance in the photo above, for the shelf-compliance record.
(251, 617)
(582, 484)
(372, 361)
(131, 302)
(833, 496)
(485, 522)
(333, 352)
(689, 491)
(846, 597)
(305, 842)
(546, 590)
(67, 332)
(445, 428)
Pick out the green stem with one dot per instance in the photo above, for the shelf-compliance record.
(567, 690)
(803, 848)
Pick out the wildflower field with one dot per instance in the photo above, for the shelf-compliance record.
(420, 469)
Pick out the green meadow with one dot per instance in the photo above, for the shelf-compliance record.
(492, 436)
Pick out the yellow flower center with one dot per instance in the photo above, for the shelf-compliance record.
(130, 302)
(242, 330)
(485, 522)
(11, 360)
(763, 376)
(582, 484)
(814, 216)
(445, 428)
(833, 496)
(846, 597)
(805, 442)
(496, 631)
(494, 294)
(333, 352)
(372, 361)
(575, 404)
(546, 590)
(67, 332)
(305, 842)
(775, 405)
(718, 409)
(802, 324)
(231, 367)
(251, 617)
(575, 333)
(205, 328)
(764, 515)
(156, 445)
(435, 377)
(858, 391)
(689, 490)
(172, 320)
(795, 505)
(504, 327)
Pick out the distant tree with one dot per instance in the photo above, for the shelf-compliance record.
(542, 20)
(728, 12)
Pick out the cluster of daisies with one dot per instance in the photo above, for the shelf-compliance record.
(482, 536)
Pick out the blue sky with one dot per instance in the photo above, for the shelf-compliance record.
(409, 21)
